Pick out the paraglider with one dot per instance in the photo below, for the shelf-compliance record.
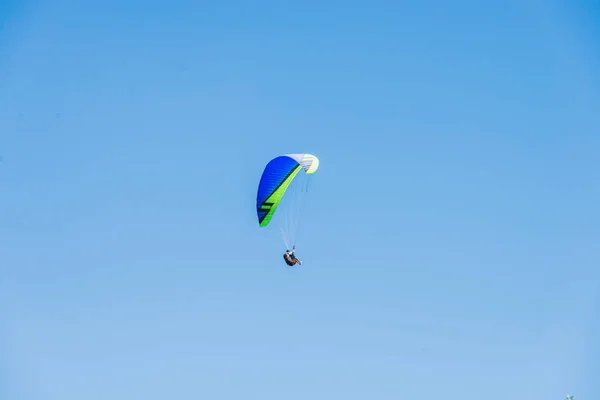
(279, 178)
(290, 258)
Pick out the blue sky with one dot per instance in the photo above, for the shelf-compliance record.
(450, 244)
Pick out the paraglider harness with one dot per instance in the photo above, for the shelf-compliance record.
(290, 258)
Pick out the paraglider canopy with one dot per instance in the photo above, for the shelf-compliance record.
(276, 178)
(278, 175)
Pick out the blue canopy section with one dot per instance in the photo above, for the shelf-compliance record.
(275, 174)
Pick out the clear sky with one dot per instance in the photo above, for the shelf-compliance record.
(451, 243)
